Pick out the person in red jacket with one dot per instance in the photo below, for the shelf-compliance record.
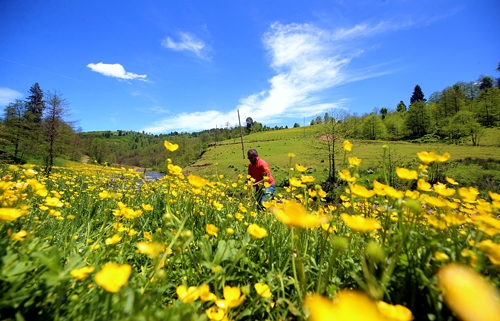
(259, 170)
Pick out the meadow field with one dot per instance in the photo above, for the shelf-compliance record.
(91, 242)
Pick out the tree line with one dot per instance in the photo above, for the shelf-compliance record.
(34, 129)
(457, 113)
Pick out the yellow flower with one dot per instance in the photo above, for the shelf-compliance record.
(147, 207)
(174, 169)
(294, 214)
(232, 298)
(300, 168)
(169, 146)
(354, 161)
(295, 182)
(211, 229)
(153, 250)
(197, 181)
(113, 276)
(451, 181)
(468, 195)
(230, 231)
(263, 290)
(442, 190)
(491, 249)
(187, 295)
(103, 195)
(218, 205)
(94, 247)
(361, 191)
(216, 314)
(82, 273)
(307, 179)
(256, 231)
(347, 146)
(406, 174)
(205, 294)
(443, 158)
(346, 176)
(291, 155)
(346, 306)
(468, 294)
(394, 312)
(360, 223)
(148, 236)
(440, 256)
(423, 185)
(19, 236)
(113, 240)
(427, 157)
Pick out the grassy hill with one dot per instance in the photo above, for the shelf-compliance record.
(227, 157)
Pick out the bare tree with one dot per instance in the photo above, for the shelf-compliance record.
(56, 109)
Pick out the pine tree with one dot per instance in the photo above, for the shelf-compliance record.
(35, 105)
(417, 95)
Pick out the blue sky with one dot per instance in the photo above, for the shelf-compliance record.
(163, 66)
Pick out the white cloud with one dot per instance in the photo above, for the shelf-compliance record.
(308, 62)
(115, 70)
(8, 95)
(190, 43)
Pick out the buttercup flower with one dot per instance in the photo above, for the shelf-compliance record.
(347, 146)
(394, 312)
(153, 250)
(82, 273)
(300, 168)
(360, 223)
(187, 295)
(406, 174)
(113, 240)
(256, 231)
(216, 314)
(171, 147)
(113, 276)
(427, 157)
(263, 290)
(19, 236)
(354, 161)
(293, 214)
(211, 229)
(468, 294)
(346, 306)
(232, 298)
(197, 181)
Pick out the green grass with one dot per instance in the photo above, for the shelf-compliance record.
(274, 147)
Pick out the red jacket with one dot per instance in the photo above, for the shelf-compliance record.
(259, 170)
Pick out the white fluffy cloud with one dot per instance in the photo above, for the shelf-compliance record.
(308, 62)
(190, 43)
(8, 95)
(115, 70)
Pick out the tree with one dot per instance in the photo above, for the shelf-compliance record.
(485, 82)
(395, 125)
(464, 125)
(373, 128)
(326, 118)
(319, 120)
(401, 107)
(498, 79)
(53, 122)
(296, 125)
(418, 119)
(249, 122)
(14, 125)
(417, 95)
(35, 105)
(487, 107)
(383, 112)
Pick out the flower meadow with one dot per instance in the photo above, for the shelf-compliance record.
(100, 243)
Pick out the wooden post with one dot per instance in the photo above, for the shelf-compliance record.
(241, 135)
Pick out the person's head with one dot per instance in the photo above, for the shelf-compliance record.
(252, 155)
